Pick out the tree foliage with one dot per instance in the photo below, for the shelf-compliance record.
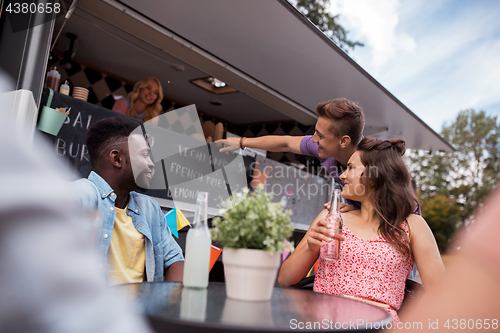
(476, 137)
(316, 12)
(467, 175)
(443, 215)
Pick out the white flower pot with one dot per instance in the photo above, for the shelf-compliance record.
(250, 274)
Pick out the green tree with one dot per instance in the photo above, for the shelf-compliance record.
(443, 215)
(476, 137)
(467, 175)
(431, 171)
(316, 12)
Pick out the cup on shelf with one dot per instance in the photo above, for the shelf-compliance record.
(81, 93)
(51, 120)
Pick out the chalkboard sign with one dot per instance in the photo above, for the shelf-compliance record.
(303, 193)
(189, 164)
(70, 142)
(184, 162)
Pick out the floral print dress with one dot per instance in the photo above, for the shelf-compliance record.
(371, 269)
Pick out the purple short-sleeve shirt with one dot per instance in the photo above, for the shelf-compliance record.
(309, 148)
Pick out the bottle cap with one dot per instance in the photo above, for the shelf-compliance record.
(64, 89)
(203, 196)
(54, 72)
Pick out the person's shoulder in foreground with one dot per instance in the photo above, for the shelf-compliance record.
(49, 269)
(467, 296)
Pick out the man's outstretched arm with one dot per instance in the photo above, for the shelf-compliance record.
(273, 143)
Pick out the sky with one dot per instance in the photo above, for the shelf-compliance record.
(436, 57)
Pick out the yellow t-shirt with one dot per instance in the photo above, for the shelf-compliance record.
(126, 254)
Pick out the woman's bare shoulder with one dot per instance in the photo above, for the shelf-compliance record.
(418, 225)
(415, 219)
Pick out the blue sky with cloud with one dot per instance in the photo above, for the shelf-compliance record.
(436, 57)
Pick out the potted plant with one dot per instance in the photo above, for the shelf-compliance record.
(253, 235)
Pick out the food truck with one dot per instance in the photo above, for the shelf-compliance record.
(248, 68)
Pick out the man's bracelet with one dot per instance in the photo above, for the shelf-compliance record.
(241, 142)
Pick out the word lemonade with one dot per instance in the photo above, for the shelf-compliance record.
(331, 250)
(199, 158)
(198, 244)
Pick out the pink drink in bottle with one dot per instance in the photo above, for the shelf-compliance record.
(331, 250)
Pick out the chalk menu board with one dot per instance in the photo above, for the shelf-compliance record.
(184, 162)
(70, 142)
(303, 193)
(189, 163)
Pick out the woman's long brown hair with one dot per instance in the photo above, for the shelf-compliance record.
(392, 193)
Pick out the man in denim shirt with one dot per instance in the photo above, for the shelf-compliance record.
(135, 243)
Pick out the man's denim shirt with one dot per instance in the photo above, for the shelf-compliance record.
(95, 194)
